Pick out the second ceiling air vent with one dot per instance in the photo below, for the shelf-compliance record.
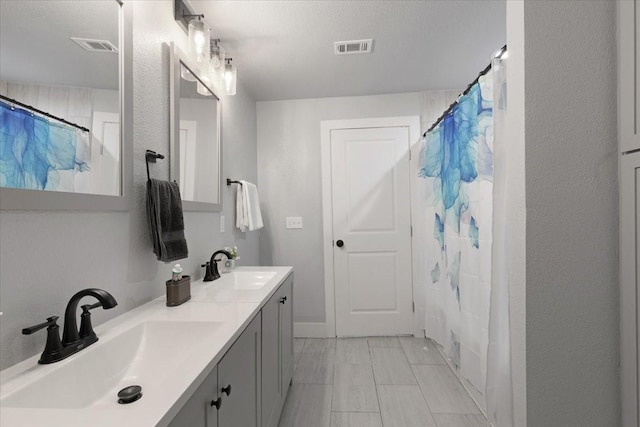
(95, 45)
(353, 46)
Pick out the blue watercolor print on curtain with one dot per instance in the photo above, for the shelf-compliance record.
(455, 156)
(34, 151)
(474, 233)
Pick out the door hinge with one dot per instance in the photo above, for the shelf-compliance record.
(411, 230)
(414, 306)
(409, 154)
(333, 243)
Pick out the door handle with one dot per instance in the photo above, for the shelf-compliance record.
(339, 243)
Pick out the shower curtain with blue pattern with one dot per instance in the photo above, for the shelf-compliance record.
(457, 163)
(38, 154)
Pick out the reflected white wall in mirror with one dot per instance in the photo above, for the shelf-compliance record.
(76, 145)
(195, 134)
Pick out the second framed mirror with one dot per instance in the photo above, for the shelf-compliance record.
(195, 118)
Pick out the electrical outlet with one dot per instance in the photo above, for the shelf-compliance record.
(294, 222)
(222, 223)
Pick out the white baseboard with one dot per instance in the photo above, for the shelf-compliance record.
(310, 330)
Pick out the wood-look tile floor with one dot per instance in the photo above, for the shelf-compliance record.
(375, 382)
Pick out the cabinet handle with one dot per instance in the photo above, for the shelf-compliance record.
(282, 300)
(227, 390)
(217, 403)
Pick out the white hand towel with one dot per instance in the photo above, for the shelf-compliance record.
(241, 222)
(252, 206)
(248, 215)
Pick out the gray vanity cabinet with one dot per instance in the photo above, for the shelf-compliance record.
(277, 352)
(230, 395)
(198, 410)
(239, 380)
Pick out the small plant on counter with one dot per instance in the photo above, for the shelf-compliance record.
(233, 251)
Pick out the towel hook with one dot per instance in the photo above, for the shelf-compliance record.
(150, 157)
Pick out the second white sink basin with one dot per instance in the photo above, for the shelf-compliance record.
(250, 280)
(142, 355)
(246, 284)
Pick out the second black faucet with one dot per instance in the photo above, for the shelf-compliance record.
(212, 272)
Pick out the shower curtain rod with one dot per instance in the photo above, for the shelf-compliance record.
(466, 91)
(44, 113)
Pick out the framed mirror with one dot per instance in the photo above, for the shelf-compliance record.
(195, 134)
(65, 105)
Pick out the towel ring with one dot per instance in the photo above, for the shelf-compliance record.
(150, 157)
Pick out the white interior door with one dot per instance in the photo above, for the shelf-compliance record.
(372, 231)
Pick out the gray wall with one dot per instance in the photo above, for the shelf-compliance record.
(47, 256)
(570, 176)
(289, 175)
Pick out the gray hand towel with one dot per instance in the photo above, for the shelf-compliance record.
(164, 212)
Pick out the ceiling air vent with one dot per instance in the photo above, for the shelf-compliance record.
(353, 46)
(95, 45)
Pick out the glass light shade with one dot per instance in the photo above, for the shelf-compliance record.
(199, 40)
(230, 76)
(186, 74)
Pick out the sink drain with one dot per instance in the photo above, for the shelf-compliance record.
(129, 394)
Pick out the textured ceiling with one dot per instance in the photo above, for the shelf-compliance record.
(284, 49)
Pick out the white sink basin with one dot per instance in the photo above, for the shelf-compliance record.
(143, 355)
(243, 285)
(250, 280)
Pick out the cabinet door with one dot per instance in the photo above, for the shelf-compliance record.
(628, 74)
(240, 369)
(198, 411)
(629, 292)
(286, 332)
(271, 376)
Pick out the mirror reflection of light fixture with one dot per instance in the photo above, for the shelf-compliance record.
(186, 74)
(217, 54)
(201, 88)
(199, 39)
(230, 77)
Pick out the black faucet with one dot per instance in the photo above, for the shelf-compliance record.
(212, 272)
(72, 340)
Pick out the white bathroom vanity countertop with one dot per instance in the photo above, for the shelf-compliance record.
(168, 351)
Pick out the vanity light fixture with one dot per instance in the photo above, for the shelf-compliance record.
(217, 55)
(199, 39)
(230, 77)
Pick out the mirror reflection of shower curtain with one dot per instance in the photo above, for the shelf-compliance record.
(499, 386)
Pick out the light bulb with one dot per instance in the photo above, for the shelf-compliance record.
(198, 39)
(217, 56)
